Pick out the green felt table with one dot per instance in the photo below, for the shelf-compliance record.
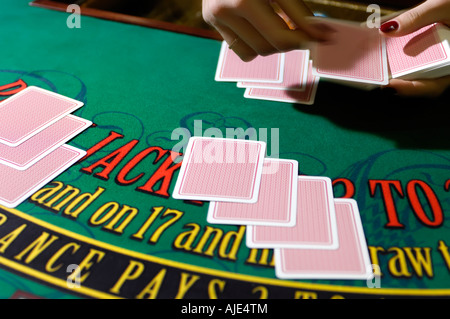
(112, 213)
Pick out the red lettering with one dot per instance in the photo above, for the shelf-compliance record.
(436, 208)
(158, 183)
(12, 88)
(163, 174)
(348, 187)
(112, 136)
(447, 185)
(388, 200)
(110, 161)
(121, 177)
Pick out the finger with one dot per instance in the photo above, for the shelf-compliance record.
(425, 88)
(273, 28)
(250, 36)
(414, 19)
(243, 50)
(297, 11)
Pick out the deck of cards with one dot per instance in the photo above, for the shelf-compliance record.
(35, 124)
(284, 77)
(355, 56)
(313, 235)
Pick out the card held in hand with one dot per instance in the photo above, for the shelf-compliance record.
(231, 68)
(295, 77)
(355, 53)
(421, 54)
(306, 96)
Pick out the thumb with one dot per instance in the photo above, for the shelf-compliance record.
(412, 20)
(426, 88)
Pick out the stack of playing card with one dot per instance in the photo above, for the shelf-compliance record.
(34, 125)
(424, 54)
(362, 57)
(355, 56)
(313, 234)
(284, 77)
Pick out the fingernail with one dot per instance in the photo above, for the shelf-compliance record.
(389, 26)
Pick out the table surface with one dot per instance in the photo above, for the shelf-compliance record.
(139, 85)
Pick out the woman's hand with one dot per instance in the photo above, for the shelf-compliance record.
(427, 13)
(253, 27)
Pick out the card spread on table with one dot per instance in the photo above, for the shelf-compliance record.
(316, 220)
(424, 49)
(23, 183)
(277, 200)
(33, 149)
(231, 68)
(295, 73)
(354, 53)
(221, 169)
(350, 261)
(304, 97)
(30, 111)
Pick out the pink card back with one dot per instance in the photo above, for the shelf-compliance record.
(276, 201)
(221, 169)
(349, 261)
(262, 69)
(355, 53)
(33, 149)
(295, 73)
(291, 96)
(414, 51)
(30, 111)
(316, 220)
(21, 184)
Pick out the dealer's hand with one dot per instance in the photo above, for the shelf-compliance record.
(428, 12)
(252, 27)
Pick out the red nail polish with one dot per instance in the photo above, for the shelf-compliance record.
(389, 26)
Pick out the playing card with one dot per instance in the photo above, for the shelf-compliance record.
(306, 97)
(277, 200)
(424, 49)
(30, 111)
(350, 261)
(231, 68)
(33, 149)
(316, 220)
(221, 169)
(295, 77)
(354, 53)
(18, 185)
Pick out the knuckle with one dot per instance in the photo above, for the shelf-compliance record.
(413, 15)
(214, 11)
(268, 51)
(247, 57)
(283, 46)
(241, 4)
